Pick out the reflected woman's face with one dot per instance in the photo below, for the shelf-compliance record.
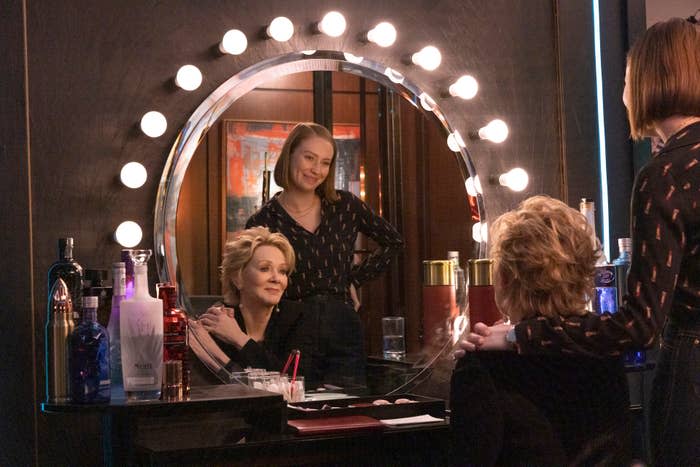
(310, 163)
(264, 279)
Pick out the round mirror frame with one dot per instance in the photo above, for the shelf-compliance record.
(208, 112)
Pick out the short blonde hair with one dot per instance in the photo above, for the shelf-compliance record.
(299, 133)
(664, 75)
(238, 253)
(544, 260)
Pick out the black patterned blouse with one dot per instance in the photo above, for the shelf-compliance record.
(664, 277)
(324, 259)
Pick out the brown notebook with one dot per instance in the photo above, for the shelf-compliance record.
(317, 426)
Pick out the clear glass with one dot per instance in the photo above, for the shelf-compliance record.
(393, 338)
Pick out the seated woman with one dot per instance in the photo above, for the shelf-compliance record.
(540, 409)
(252, 328)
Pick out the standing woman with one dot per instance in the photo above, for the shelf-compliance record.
(662, 95)
(322, 224)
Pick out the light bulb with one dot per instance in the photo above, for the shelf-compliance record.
(480, 232)
(280, 29)
(133, 175)
(428, 58)
(383, 34)
(465, 87)
(353, 58)
(188, 77)
(333, 24)
(427, 102)
(473, 186)
(308, 52)
(153, 124)
(516, 179)
(455, 142)
(128, 234)
(234, 42)
(394, 75)
(496, 131)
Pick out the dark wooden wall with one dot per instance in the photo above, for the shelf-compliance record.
(79, 76)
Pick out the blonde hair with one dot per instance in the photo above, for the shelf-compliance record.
(544, 260)
(664, 75)
(299, 133)
(238, 253)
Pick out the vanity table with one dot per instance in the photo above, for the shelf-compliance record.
(238, 425)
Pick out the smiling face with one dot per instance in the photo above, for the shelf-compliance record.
(263, 280)
(310, 164)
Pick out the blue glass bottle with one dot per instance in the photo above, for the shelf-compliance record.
(88, 358)
(622, 266)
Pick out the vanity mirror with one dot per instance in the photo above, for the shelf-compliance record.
(408, 176)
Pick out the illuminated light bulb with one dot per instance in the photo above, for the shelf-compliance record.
(480, 232)
(394, 75)
(153, 123)
(234, 42)
(353, 58)
(280, 29)
(496, 131)
(333, 24)
(383, 34)
(133, 175)
(427, 102)
(188, 77)
(516, 179)
(473, 186)
(308, 52)
(465, 87)
(128, 234)
(455, 142)
(428, 58)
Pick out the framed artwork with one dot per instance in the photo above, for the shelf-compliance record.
(251, 149)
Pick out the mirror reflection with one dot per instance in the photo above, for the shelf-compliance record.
(391, 155)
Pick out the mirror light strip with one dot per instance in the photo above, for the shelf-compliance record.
(602, 156)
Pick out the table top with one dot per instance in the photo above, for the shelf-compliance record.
(222, 396)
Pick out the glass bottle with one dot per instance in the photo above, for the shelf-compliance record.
(587, 208)
(70, 271)
(88, 358)
(115, 351)
(59, 326)
(482, 301)
(141, 334)
(460, 281)
(174, 330)
(622, 267)
(95, 284)
(129, 278)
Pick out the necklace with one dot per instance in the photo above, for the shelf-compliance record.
(296, 213)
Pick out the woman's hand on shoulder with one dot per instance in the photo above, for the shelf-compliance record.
(483, 337)
(220, 321)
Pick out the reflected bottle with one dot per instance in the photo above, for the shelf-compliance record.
(460, 282)
(482, 301)
(141, 334)
(70, 271)
(439, 301)
(88, 359)
(115, 352)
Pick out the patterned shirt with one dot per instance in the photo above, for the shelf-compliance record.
(324, 258)
(664, 277)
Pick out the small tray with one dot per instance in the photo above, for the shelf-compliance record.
(363, 406)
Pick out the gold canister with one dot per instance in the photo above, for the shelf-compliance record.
(59, 327)
(480, 271)
(438, 272)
